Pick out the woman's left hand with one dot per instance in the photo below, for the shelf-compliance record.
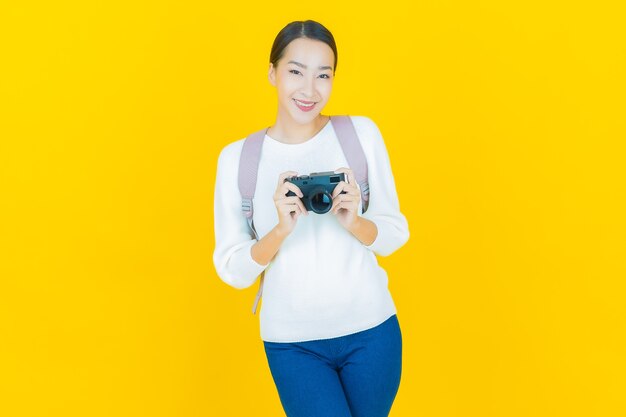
(345, 206)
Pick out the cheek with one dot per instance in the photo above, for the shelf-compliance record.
(287, 88)
(325, 88)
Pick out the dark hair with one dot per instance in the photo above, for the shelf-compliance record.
(301, 29)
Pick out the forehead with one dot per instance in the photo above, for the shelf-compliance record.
(309, 51)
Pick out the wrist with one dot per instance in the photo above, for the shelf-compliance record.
(365, 230)
(279, 232)
(356, 225)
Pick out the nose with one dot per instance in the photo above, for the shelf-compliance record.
(309, 87)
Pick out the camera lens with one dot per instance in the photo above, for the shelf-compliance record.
(320, 200)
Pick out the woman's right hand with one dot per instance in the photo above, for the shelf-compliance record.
(288, 208)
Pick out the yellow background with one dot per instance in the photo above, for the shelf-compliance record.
(505, 127)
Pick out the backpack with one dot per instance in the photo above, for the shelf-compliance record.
(249, 165)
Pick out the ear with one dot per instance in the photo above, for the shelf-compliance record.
(271, 75)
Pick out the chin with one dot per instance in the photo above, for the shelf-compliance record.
(302, 116)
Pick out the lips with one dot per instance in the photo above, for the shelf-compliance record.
(304, 105)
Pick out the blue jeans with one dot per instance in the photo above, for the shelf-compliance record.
(357, 375)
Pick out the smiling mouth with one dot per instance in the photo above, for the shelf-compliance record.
(304, 105)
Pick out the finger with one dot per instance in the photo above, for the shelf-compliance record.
(345, 206)
(337, 190)
(349, 188)
(301, 206)
(352, 178)
(351, 204)
(345, 198)
(343, 186)
(289, 186)
(294, 200)
(284, 175)
(285, 188)
(347, 172)
(287, 209)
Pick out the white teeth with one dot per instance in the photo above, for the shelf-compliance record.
(304, 105)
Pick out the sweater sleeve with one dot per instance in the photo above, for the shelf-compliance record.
(233, 238)
(384, 207)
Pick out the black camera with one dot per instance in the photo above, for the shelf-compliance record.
(317, 189)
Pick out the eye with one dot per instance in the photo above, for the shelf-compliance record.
(293, 71)
(327, 76)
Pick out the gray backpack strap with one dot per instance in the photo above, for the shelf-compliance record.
(352, 149)
(248, 167)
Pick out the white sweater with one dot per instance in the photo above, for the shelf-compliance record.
(323, 282)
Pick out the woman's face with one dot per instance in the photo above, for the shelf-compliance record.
(304, 75)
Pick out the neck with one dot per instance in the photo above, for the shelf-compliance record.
(287, 130)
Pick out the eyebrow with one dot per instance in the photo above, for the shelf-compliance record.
(322, 67)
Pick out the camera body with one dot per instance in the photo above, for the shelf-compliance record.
(317, 189)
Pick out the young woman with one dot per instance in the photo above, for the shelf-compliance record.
(328, 322)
